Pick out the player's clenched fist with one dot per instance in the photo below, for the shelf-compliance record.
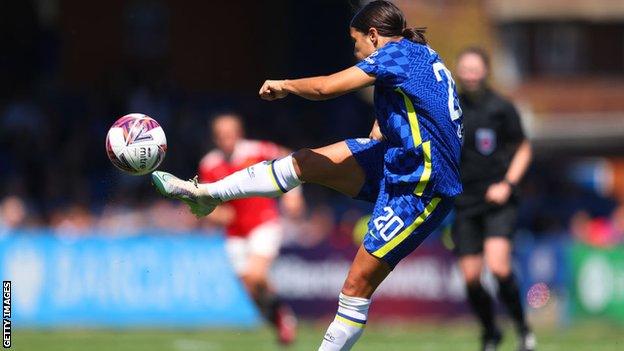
(273, 90)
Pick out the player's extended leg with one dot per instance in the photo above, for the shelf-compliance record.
(468, 237)
(256, 281)
(480, 300)
(497, 251)
(400, 223)
(265, 242)
(251, 258)
(333, 166)
(365, 275)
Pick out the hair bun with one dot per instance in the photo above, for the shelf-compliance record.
(415, 34)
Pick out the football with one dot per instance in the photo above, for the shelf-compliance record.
(136, 144)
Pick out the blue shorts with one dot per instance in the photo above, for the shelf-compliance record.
(401, 220)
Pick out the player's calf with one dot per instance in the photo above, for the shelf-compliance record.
(365, 275)
(348, 324)
(264, 179)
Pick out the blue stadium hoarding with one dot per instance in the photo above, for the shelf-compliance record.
(142, 281)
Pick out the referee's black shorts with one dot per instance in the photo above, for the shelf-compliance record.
(471, 227)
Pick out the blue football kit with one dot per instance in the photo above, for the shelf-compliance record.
(413, 174)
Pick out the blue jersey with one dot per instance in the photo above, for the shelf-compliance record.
(418, 112)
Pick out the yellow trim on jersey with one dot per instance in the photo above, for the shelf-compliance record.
(412, 117)
(394, 242)
(349, 322)
(426, 174)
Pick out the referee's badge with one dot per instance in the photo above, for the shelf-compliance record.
(485, 138)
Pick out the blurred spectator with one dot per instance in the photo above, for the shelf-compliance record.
(599, 231)
(172, 216)
(120, 220)
(13, 214)
(72, 221)
(617, 223)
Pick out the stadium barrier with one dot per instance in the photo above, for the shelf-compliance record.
(427, 283)
(143, 281)
(598, 282)
(184, 280)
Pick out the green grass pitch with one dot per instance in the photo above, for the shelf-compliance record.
(457, 336)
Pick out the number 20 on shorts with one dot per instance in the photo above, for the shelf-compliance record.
(388, 224)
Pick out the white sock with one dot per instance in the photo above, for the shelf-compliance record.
(264, 179)
(348, 324)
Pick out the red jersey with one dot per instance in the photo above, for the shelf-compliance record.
(250, 212)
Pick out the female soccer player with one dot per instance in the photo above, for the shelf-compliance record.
(412, 173)
(253, 230)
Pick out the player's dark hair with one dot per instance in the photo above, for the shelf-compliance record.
(479, 51)
(389, 21)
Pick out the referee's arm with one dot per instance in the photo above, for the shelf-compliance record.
(519, 163)
(499, 193)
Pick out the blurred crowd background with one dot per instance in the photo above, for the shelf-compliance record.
(70, 68)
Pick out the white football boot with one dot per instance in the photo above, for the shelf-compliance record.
(186, 191)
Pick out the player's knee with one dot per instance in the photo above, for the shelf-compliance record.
(247, 282)
(500, 271)
(499, 266)
(253, 283)
(303, 161)
(471, 273)
(472, 278)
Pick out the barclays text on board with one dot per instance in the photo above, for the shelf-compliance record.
(144, 281)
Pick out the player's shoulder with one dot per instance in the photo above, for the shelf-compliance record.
(212, 159)
(393, 50)
(392, 63)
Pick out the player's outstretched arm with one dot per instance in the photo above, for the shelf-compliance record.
(317, 88)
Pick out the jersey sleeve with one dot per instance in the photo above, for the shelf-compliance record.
(389, 65)
(513, 125)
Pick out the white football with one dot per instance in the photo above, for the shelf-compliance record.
(136, 144)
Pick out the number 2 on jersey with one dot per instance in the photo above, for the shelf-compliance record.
(453, 102)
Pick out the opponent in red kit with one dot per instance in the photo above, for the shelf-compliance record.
(252, 225)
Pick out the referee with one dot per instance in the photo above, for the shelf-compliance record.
(495, 156)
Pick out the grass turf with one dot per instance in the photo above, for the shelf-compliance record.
(595, 336)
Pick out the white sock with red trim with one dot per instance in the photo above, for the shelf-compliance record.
(348, 325)
(264, 179)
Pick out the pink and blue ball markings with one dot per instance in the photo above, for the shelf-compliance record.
(135, 128)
